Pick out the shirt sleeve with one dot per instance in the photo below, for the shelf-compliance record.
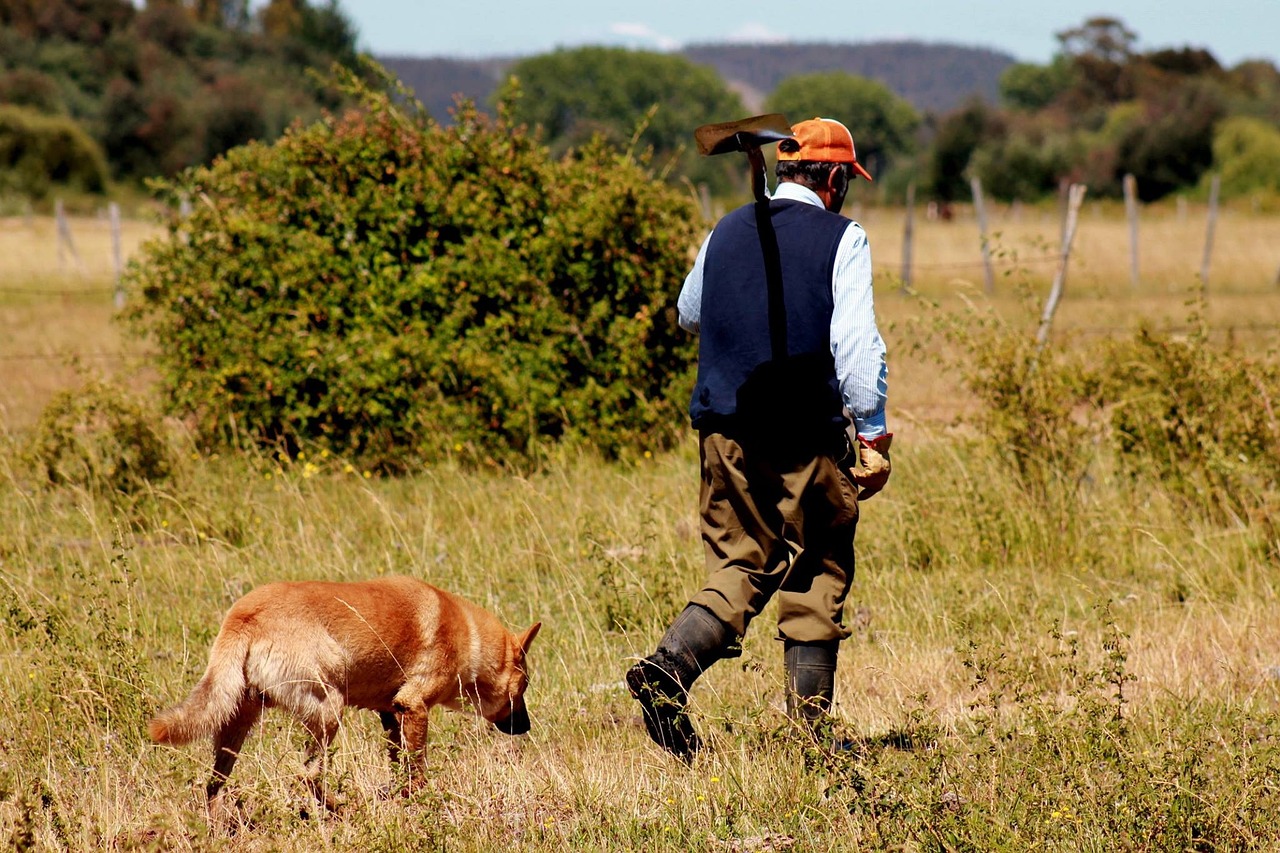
(689, 305)
(856, 344)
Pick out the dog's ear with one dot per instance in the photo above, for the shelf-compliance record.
(526, 639)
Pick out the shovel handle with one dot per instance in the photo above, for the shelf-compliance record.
(759, 185)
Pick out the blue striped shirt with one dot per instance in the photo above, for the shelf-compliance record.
(856, 344)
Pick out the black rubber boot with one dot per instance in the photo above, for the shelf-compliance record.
(811, 679)
(661, 682)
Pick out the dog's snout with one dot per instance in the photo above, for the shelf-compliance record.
(516, 723)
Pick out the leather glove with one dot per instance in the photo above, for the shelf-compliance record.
(872, 471)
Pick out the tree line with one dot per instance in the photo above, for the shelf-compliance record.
(1100, 110)
(98, 90)
(93, 91)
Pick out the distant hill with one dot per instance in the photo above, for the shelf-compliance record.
(437, 80)
(932, 77)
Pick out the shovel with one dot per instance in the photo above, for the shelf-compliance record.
(747, 135)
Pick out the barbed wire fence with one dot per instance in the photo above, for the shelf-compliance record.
(69, 261)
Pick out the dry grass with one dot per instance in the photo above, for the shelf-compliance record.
(56, 314)
(1102, 676)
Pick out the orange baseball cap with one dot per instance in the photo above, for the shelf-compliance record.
(821, 140)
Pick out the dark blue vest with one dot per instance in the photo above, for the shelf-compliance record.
(740, 384)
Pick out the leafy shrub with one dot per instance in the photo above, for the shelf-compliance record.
(1031, 399)
(1019, 166)
(396, 291)
(1200, 418)
(98, 438)
(1247, 151)
(1197, 417)
(38, 152)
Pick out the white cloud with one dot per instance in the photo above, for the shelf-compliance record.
(644, 34)
(756, 33)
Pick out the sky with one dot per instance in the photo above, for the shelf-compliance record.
(1233, 30)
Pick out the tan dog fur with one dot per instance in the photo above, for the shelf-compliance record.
(396, 645)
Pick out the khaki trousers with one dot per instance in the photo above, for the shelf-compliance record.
(769, 528)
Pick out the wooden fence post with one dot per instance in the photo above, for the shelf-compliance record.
(1131, 210)
(989, 281)
(65, 243)
(117, 257)
(908, 230)
(1064, 204)
(1212, 221)
(1075, 198)
(704, 200)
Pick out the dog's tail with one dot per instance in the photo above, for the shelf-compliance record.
(215, 699)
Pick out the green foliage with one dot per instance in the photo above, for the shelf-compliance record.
(185, 83)
(1029, 398)
(1193, 416)
(959, 134)
(398, 292)
(38, 153)
(1019, 166)
(98, 438)
(1030, 87)
(1246, 154)
(1199, 418)
(883, 125)
(1173, 145)
(1101, 110)
(657, 99)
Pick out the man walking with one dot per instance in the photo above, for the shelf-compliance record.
(788, 352)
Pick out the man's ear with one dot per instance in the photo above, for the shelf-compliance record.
(838, 180)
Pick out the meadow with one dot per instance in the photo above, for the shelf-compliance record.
(1095, 668)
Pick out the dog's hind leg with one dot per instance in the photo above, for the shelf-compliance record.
(228, 740)
(395, 738)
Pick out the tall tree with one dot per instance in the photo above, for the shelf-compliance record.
(958, 136)
(1030, 87)
(281, 18)
(1099, 51)
(657, 98)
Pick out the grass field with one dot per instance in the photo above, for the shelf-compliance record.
(1092, 670)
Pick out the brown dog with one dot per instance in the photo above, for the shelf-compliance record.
(397, 646)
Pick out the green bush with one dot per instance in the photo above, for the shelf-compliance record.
(1200, 418)
(396, 291)
(1030, 398)
(1247, 152)
(38, 152)
(1197, 417)
(98, 438)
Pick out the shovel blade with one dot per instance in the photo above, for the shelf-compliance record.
(742, 135)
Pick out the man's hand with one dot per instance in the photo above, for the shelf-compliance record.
(873, 465)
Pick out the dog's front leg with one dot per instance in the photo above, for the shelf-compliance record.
(323, 730)
(413, 728)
